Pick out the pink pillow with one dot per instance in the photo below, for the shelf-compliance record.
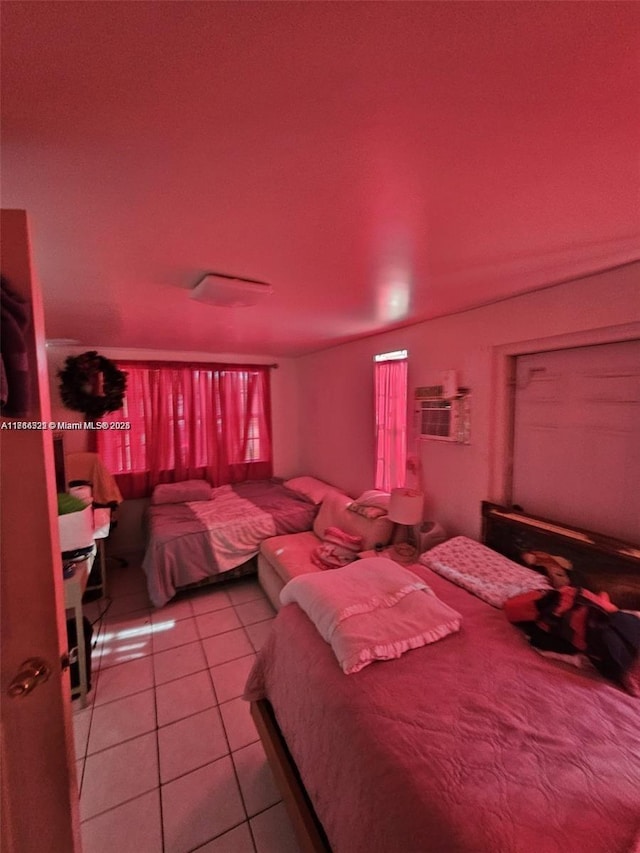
(188, 490)
(310, 488)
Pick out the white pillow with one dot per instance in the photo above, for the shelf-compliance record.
(187, 490)
(309, 487)
(481, 571)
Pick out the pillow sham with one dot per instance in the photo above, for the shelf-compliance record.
(188, 490)
(312, 489)
(481, 571)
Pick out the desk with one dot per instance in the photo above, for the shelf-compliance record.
(74, 588)
(102, 527)
(99, 585)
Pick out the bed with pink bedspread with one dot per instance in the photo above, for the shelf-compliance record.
(194, 541)
(471, 744)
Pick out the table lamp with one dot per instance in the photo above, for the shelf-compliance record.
(406, 510)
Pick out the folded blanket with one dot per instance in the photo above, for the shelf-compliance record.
(336, 549)
(371, 610)
(345, 540)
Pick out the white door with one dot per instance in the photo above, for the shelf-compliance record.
(38, 790)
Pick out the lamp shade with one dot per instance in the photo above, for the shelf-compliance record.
(406, 506)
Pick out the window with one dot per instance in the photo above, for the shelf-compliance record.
(391, 419)
(208, 421)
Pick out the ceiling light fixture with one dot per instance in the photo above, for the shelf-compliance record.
(230, 291)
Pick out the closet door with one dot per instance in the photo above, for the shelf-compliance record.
(577, 437)
(38, 791)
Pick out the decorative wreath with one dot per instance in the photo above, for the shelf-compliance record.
(92, 384)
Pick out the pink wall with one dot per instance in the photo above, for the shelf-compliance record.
(336, 386)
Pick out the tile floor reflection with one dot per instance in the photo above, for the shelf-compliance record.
(168, 757)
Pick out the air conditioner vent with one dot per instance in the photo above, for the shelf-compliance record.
(439, 419)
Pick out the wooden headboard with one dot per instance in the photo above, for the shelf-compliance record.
(599, 562)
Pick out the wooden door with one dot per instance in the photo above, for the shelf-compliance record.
(38, 790)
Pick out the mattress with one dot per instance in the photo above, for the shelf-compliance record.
(190, 542)
(472, 744)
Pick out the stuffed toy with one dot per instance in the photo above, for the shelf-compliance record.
(556, 568)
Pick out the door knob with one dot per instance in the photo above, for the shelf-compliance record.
(33, 671)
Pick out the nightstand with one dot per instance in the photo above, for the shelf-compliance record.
(391, 554)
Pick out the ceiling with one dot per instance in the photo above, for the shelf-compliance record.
(377, 163)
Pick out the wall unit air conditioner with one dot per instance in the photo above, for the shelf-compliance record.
(440, 419)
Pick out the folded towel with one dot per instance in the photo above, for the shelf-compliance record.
(327, 556)
(336, 549)
(371, 610)
(344, 540)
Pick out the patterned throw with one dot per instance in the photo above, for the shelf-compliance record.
(481, 571)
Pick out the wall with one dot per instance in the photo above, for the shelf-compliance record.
(336, 396)
(323, 403)
(128, 536)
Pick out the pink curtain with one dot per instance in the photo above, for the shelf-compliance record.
(208, 421)
(391, 423)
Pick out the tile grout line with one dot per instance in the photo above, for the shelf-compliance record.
(132, 737)
(119, 805)
(157, 730)
(228, 742)
(237, 778)
(220, 835)
(95, 675)
(103, 628)
(155, 685)
(229, 753)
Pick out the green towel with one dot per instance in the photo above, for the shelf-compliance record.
(68, 503)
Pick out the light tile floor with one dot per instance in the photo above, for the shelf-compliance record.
(168, 757)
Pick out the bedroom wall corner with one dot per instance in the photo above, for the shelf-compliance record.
(336, 397)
